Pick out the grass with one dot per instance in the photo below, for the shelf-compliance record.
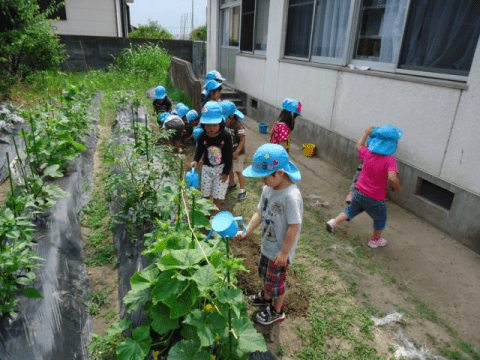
(96, 300)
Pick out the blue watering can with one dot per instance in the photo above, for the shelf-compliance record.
(226, 225)
(192, 178)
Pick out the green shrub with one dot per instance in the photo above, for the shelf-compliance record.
(151, 31)
(199, 33)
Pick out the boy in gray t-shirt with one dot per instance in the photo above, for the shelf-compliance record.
(280, 212)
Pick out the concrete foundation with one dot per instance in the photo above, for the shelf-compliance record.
(460, 221)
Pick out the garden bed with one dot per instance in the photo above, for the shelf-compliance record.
(57, 326)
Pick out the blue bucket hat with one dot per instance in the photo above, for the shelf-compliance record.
(197, 131)
(212, 85)
(269, 158)
(182, 111)
(292, 106)
(177, 106)
(383, 140)
(192, 115)
(164, 117)
(214, 75)
(229, 108)
(160, 92)
(212, 113)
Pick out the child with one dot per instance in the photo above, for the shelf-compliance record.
(182, 113)
(212, 75)
(192, 122)
(371, 189)
(286, 122)
(213, 90)
(215, 144)
(162, 102)
(232, 117)
(354, 181)
(162, 119)
(280, 211)
(177, 106)
(173, 122)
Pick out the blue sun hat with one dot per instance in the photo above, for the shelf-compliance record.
(383, 140)
(160, 92)
(292, 106)
(192, 115)
(164, 117)
(212, 85)
(197, 131)
(269, 158)
(214, 75)
(212, 113)
(182, 111)
(175, 111)
(229, 108)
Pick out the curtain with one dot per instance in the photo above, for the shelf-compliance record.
(391, 30)
(261, 22)
(299, 27)
(224, 27)
(331, 22)
(442, 34)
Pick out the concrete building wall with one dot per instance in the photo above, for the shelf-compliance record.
(212, 34)
(86, 17)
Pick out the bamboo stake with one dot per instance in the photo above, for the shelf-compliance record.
(11, 184)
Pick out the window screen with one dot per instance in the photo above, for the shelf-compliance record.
(299, 28)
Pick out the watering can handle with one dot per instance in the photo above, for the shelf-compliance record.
(193, 169)
(208, 237)
(239, 218)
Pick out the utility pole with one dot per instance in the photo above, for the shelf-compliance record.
(192, 14)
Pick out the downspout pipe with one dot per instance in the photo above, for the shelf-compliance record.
(116, 15)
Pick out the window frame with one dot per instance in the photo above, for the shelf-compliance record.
(350, 42)
(255, 18)
(230, 4)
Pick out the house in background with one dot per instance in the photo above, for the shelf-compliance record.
(91, 17)
(414, 64)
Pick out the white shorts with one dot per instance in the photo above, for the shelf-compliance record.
(238, 164)
(211, 182)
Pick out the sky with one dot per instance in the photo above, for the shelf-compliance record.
(168, 13)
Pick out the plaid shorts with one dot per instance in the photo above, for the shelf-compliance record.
(273, 276)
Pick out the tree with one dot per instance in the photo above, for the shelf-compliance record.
(27, 40)
(151, 31)
(199, 33)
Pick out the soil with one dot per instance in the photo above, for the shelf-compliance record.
(104, 276)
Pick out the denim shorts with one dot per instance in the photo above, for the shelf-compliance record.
(375, 208)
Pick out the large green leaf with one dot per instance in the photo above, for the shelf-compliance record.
(166, 285)
(200, 320)
(200, 219)
(179, 259)
(143, 279)
(142, 335)
(179, 305)
(205, 277)
(57, 192)
(161, 319)
(52, 171)
(230, 296)
(130, 350)
(248, 338)
(187, 350)
(24, 281)
(118, 327)
(133, 299)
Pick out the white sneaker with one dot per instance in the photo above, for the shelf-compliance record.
(331, 224)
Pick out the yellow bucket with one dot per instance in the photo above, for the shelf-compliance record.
(308, 149)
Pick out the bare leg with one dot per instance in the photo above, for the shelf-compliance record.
(277, 303)
(218, 203)
(341, 217)
(231, 177)
(350, 193)
(241, 179)
(377, 234)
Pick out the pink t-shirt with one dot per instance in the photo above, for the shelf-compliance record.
(280, 132)
(373, 179)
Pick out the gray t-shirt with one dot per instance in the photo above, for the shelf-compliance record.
(280, 208)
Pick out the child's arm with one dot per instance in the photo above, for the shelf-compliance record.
(364, 138)
(240, 146)
(281, 258)
(394, 182)
(252, 225)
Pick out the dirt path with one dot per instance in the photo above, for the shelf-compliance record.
(443, 274)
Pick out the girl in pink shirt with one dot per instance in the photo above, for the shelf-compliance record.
(371, 190)
(286, 122)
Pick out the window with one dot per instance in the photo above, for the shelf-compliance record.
(421, 37)
(254, 26)
(60, 13)
(229, 24)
